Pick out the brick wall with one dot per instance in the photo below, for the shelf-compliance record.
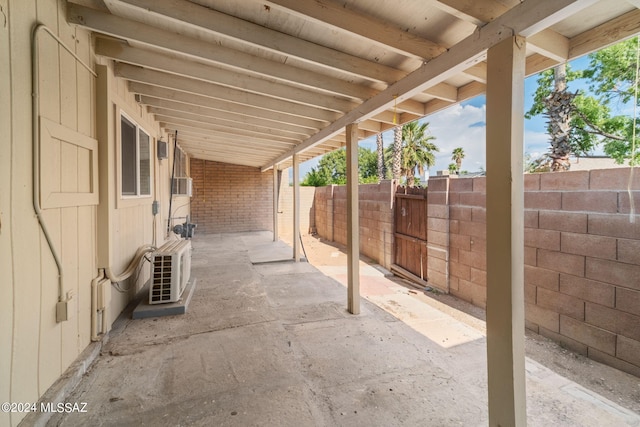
(582, 259)
(376, 218)
(230, 198)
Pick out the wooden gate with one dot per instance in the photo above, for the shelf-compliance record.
(410, 232)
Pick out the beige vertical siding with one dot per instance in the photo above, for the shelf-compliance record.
(35, 349)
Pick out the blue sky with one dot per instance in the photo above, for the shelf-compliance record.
(463, 125)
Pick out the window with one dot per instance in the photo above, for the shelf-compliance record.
(181, 164)
(135, 159)
(182, 184)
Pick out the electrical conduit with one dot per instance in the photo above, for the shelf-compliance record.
(35, 115)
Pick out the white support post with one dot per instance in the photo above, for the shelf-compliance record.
(505, 233)
(296, 209)
(276, 191)
(353, 223)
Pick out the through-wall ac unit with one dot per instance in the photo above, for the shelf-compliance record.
(182, 186)
(170, 271)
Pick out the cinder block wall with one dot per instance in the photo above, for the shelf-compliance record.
(230, 198)
(467, 240)
(285, 210)
(582, 259)
(376, 218)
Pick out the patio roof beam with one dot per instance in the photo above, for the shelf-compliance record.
(185, 68)
(547, 42)
(254, 151)
(617, 29)
(225, 106)
(241, 62)
(217, 23)
(221, 153)
(223, 124)
(224, 159)
(237, 119)
(527, 18)
(369, 27)
(190, 127)
(235, 132)
(158, 78)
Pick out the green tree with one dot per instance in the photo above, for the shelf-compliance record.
(332, 168)
(417, 150)
(314, 178)
(453, 168)
(457, 155)
(580, 122)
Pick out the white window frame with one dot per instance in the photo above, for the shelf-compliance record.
(185, 188)
(138, 194)
(182, 170)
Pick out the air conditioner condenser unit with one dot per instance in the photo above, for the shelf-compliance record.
(170, 271)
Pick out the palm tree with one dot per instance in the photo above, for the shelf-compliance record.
(559, 106)
(397, 152)
(458, 155)
(380, 150)
(417, 150)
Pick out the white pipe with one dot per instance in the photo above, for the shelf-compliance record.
(131, 268)
(95, 334)
(35, 112)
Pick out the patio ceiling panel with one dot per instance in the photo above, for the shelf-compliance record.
(278, 77)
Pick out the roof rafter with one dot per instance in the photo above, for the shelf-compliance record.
(237, 119)
(226, 106)
(185, 68)
(275, 131)
(617, 29)
(115, 26)
(527, 19)
(339, 16)
(547, 42)
(157, 78)
(237, 29)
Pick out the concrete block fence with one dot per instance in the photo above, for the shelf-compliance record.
(376, 218)
(582, 251)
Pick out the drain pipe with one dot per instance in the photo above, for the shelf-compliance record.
(35, 115)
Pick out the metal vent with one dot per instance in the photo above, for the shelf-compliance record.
(161, 281)
(170, 271)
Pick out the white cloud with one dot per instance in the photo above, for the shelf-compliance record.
(462, 126)
(535, 143)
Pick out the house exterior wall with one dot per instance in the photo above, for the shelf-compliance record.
(78, 122)
(231, 198)
(34, 349)
(125, 224)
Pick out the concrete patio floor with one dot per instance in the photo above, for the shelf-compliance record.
(271, 344)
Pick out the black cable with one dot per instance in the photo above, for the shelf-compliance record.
(173, 172)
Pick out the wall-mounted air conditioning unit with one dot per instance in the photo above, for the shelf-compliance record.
(170, 271)
(182, 186)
